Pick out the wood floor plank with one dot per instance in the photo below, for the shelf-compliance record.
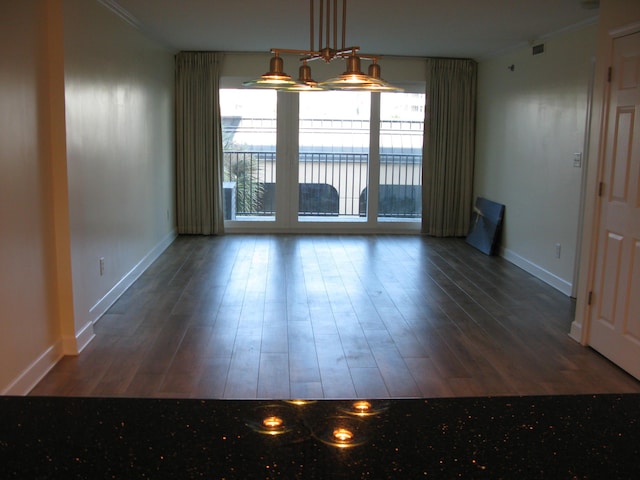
(273, 377)
(275, 337)
(213, 377)
(242, 378)
(330, 316)
(144, 385)
(303, 365)
(369, 383)
(306, 390)
(334, 371)
(427, 378)
(395, 373)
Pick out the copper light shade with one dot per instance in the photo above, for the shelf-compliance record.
(351, 79)
(274, 78)
(304, 83)
(374, 72)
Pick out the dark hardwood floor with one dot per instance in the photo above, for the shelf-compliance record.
(280, 317)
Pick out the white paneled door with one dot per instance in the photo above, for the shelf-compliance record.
(615, 311)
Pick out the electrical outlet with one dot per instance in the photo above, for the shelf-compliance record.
(101, 266)
(558, 248)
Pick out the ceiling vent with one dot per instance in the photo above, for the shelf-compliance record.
(537, 49)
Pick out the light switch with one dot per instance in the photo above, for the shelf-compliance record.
(577, 159)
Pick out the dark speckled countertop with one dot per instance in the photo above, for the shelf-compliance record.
(557, 437)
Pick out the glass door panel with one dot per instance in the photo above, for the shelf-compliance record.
(401, 135)
(333, 161)
(249, 144)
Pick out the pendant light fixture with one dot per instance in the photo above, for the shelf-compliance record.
(274, 78)
(352, 79)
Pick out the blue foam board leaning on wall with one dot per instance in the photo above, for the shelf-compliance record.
(486, 226)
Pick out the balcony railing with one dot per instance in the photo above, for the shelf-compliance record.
(330, 184)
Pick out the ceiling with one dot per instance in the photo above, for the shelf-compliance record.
(445, 28)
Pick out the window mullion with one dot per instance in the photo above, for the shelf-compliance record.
(287, 160)
(374, 160)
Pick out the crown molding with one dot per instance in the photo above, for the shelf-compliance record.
(541, 39)
(123, 13)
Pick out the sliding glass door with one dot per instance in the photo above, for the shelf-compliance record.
(249, 136)
(346, 160)
(333, 155)
(400, 157)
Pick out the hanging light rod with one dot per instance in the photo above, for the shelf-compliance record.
(351, 79)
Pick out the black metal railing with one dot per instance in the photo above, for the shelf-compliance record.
(332, 184)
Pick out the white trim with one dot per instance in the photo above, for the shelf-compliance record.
(570, 28)
(122, 12)
(576, 332)
(84, 337)
(373, 180)
(542, 39)
(131, 19)
(584, 178)
(582, 322)
(74, 345)
(119, 288)
(537, 271)
(624, 30)
(35, 372)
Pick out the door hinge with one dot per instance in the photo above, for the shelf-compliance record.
(600, 189)
(609, 74)
(590, 298)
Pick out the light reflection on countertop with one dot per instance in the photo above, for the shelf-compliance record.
(583, 436)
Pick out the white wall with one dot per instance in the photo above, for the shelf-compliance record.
(98, 183)
(119, 109)
(530, 123)
(29, 328)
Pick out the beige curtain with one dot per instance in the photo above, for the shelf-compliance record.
(449, 137)
(198, 144)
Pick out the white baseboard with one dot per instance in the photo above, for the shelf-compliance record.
(576, 332)
(35, 372)
(537, 271)
(75, 345)
(110, 298)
